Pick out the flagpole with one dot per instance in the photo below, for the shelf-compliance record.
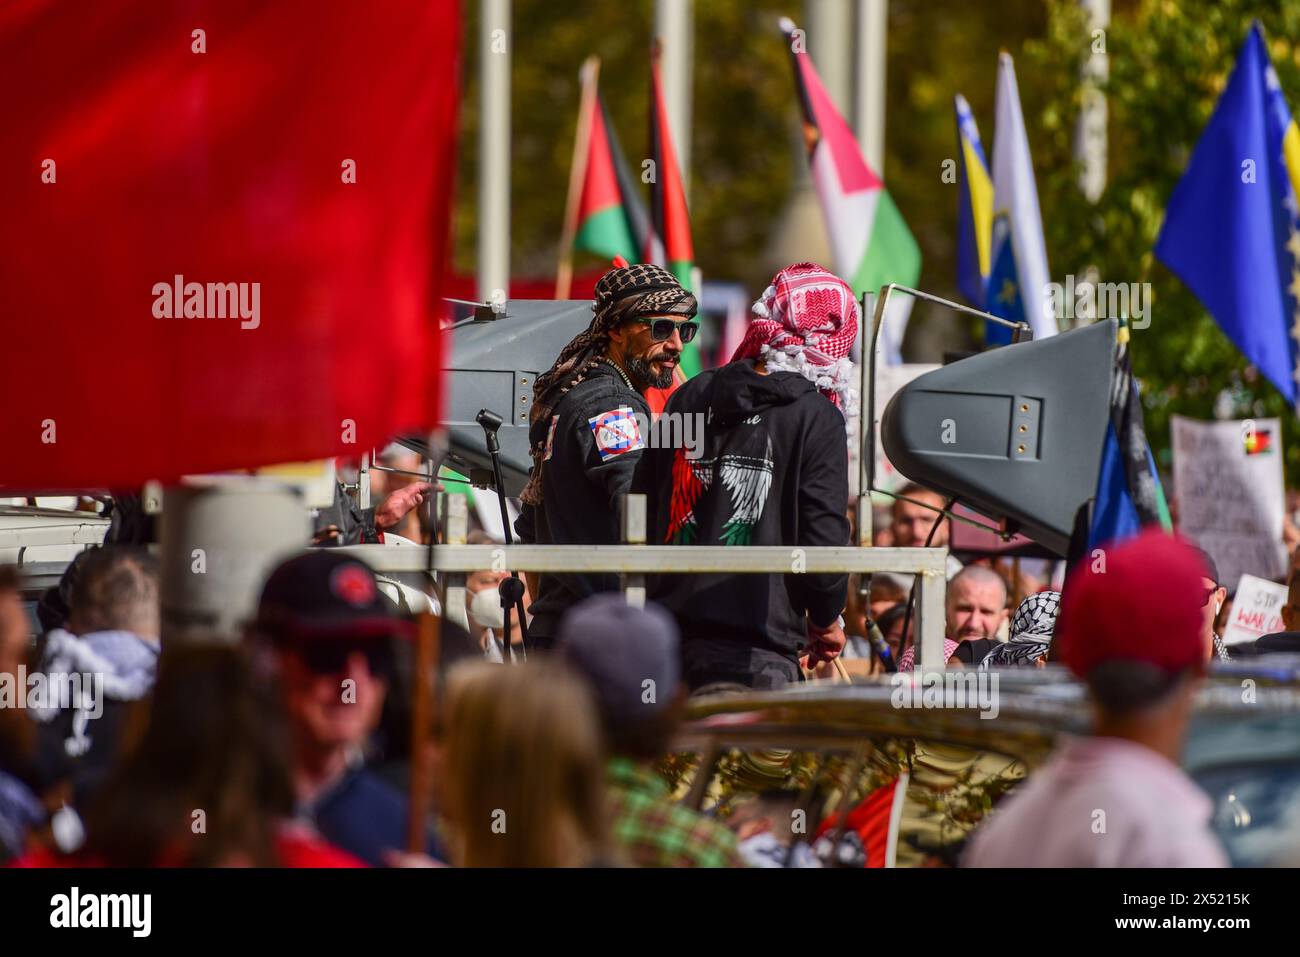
(494, 152)
(873, 22)
(577, 173)
(674, 28)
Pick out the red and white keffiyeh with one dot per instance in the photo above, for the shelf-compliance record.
(806, 322)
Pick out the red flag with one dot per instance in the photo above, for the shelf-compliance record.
(672, 224)
(669, 243)
(875, 820)
(273, 176)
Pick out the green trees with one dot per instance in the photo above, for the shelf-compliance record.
(1168, 64)
(1168, 61)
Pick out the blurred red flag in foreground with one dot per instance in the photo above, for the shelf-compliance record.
(293, 160)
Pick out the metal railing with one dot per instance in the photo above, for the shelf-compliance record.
(452, 560)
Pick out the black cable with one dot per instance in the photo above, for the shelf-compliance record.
(911, 597)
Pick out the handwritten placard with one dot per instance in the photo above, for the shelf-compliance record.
(889, 379)
(1229, 493)
(1256, 610)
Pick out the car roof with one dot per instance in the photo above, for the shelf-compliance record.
(1033, 707)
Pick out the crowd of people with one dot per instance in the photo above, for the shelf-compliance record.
(292, 744)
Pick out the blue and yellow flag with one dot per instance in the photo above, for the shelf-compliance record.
(974, 208)
(1232, 227)
(1129, 494)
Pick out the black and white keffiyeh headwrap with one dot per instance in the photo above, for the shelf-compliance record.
(1031, 632)
(623, 293)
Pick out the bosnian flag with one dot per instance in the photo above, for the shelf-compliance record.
(1018, 276)
(870, 242)
(1232, 228)
(974, 208)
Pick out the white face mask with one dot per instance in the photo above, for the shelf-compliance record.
(485, 609)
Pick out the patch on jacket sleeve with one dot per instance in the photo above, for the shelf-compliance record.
(616, 432)
(550, 438)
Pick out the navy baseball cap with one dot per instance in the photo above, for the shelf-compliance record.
(326, 594)
(619, 648)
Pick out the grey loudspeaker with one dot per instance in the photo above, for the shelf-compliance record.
(1016, 433)
(493, 365)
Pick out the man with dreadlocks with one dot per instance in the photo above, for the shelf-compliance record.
(585, 426)
(773, 470)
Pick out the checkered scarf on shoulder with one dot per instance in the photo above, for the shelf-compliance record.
(621, 294)
(806, 322)
(1031, 632)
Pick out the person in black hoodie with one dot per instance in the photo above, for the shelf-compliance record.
(586, 425)
(773, 470)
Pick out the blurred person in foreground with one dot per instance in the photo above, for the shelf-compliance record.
(629, 657)
(21, 809)
(330, 635)
(520, 768)
(975, 608)
(203, 780)
(111, 642)
(1031, 633)
(586, 421)
(773, 470)
(1133, 634)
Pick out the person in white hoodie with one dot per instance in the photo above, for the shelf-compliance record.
(105, 658)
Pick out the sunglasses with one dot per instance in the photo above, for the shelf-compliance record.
(661, 330)
(331, 657)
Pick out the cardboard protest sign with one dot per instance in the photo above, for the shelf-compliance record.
(889, 379)
(1256, 610)
(1229, 493)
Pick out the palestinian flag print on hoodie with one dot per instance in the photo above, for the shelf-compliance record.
(747, 481)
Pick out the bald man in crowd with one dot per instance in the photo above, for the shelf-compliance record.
(974, 612)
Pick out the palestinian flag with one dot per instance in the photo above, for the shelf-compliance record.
(1258, 442)
(669, 244)
(611, 219)
(1129, 494)
(870, 242)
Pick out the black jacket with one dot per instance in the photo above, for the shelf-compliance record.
(589, 465)
(773, 470)
(355, 525)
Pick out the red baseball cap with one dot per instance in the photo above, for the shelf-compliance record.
(1139, 600)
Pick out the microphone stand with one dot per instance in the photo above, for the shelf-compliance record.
(511, 588)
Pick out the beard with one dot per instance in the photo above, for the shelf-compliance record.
(642, 372)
